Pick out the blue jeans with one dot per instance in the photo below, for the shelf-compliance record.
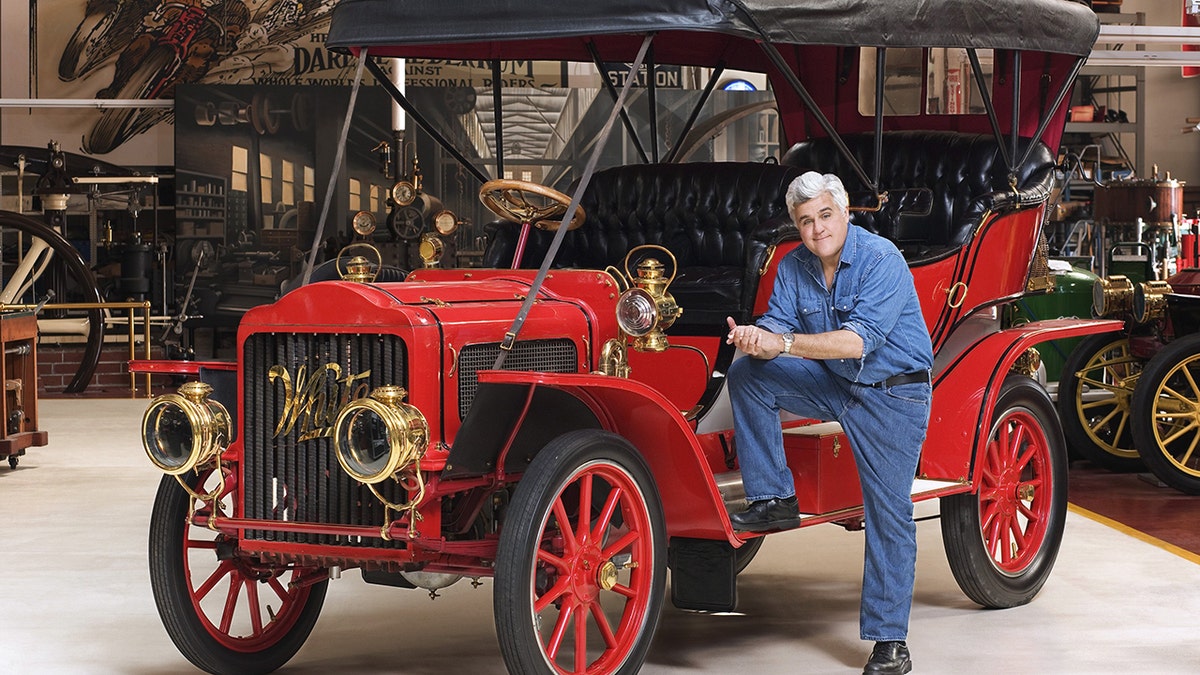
(886, 428)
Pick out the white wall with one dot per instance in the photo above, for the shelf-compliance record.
(38, 126)
(1170, 99)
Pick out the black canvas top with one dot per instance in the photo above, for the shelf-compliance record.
(557, 29)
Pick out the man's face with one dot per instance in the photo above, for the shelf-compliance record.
(823, 226)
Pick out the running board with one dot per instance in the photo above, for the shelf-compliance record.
(733, 492)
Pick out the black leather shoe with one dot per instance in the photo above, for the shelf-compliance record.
(888, 658)
(768, 514)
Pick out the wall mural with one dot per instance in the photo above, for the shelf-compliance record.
(144, 49)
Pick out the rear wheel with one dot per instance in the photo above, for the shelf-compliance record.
(225, 612)
(1094, 396)
(742, 556)
(579, 589)
(1002, 540)
(1166, 414)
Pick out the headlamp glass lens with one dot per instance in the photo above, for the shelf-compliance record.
(366, 443)
(169, 436)
(636, 312)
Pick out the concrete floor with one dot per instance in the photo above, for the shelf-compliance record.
(73, 522)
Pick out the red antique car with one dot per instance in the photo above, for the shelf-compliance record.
(558, 421)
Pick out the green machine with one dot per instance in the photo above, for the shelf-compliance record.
(1071, 298)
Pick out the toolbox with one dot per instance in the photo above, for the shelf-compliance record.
(823, 467)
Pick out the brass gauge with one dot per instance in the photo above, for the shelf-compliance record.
(445, 223)
(364, 223)
(404, 193)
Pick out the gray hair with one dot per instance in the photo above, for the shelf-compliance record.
(811, 185)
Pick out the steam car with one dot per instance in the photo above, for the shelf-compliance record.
(557, 421)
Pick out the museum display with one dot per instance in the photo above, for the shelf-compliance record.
(557, 420)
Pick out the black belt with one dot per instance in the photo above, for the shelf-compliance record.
(904, 378)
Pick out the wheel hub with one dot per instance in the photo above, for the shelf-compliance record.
(1010, 491)
(589, 573)
(606, 578)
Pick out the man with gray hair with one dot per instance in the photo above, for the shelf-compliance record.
(845, 304)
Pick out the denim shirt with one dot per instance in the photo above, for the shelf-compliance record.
(873, 295)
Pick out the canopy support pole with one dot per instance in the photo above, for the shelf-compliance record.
(498, 116)
(416, 116)
(691, 121)
(612, 90)
(510, 338)
(794, 80)
(1044, 122)
(337, 169)
(989, 106)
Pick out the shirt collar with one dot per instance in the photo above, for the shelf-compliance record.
(850, 248)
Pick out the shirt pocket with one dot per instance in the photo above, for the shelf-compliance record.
(812, 313)
(843, 306)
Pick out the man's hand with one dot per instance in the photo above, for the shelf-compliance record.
(756, 342)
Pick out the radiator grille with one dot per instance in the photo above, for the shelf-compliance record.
(289, 476)
(542, 356)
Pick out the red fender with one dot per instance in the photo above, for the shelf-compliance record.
(691, 502)
(965, 390)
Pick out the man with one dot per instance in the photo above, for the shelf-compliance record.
(845, 303)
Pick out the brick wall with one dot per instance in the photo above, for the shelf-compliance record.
(57, 364)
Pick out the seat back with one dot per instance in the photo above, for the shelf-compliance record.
(719, 219)
(965, 173)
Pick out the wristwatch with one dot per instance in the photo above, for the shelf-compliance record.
(788, 339)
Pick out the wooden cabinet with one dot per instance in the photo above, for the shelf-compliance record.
(18, 372)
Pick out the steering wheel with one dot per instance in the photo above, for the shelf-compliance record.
(510, 199)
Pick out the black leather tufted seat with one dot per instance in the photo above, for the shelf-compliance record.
(966, 173)
(718, 219)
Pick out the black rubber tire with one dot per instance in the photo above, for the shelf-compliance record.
(282, 635)
(113, 127)
(1103, 432)
(522, 576)
(81, 275)
(978, 561)
(742, 556)
(1158, 417)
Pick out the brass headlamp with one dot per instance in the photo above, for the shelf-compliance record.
(1150, 301)
(647, 309)
(380, 436)
(431, 249)
(185, 430)
(1112, 296)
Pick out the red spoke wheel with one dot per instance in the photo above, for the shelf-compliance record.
(581, 568)
(1002, 540)
(225, 612)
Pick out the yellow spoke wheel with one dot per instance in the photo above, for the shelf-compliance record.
(1166, 414)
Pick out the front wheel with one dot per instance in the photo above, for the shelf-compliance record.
(581, 567)
(1002, 540)
(1094, 395)
(1166, 414)
(225, 612)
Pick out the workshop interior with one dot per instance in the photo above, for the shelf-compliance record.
(169, 166)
